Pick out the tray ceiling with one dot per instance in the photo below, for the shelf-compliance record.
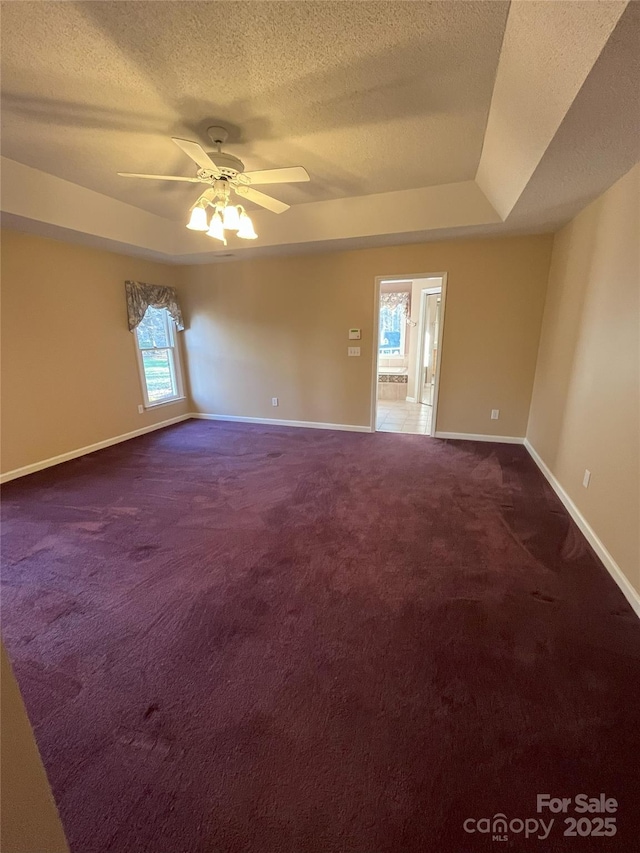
(416, 120)
(369, 97)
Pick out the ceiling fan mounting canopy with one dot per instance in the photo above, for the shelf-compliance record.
(217, 134)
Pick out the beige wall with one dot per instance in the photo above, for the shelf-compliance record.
(278, 327)
(585, 407)
(69, 373)
(30, 820)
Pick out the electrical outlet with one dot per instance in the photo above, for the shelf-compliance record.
(495, 414)
(353, 351)
(274, 401)
(587, 478)
(140, 410)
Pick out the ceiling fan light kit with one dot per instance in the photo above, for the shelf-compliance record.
(224, 174)
(226, 216)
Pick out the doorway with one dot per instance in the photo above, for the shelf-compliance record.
(409, 317)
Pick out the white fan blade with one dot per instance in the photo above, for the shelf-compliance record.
(196, 152)
(159, 177)
(262, 199)
(288, 175)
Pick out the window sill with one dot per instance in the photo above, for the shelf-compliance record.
(164, 403)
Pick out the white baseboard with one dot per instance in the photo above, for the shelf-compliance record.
(82, 451)
(277, 422)
(470, 436)
(631, 594)
(411, 400)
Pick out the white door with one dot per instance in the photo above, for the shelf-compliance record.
(431, 321)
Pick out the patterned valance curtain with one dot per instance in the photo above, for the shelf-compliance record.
(393, 300)
(140, 296)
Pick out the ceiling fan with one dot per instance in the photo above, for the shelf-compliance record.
(223, 174)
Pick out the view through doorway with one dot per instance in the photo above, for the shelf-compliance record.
(410, 311)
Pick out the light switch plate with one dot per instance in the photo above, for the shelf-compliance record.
(495, 414)
(354, 350)
(587, 478)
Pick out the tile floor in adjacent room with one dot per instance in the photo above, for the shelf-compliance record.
(402, 416)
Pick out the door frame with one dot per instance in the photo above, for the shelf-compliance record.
(376, 338)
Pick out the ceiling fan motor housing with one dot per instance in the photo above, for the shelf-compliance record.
(228, 165)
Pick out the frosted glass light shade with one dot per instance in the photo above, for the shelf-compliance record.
(231, 218)
(246, 228)
(198, 220)
(216, 229)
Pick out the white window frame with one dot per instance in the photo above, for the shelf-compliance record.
(175, 365)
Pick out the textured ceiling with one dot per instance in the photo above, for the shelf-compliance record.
(548, 51)
(368, 96)
(417, 121)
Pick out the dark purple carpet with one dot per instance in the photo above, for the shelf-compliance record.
(245, 639)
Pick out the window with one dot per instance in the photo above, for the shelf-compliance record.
(158, 357)
(393, 324)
